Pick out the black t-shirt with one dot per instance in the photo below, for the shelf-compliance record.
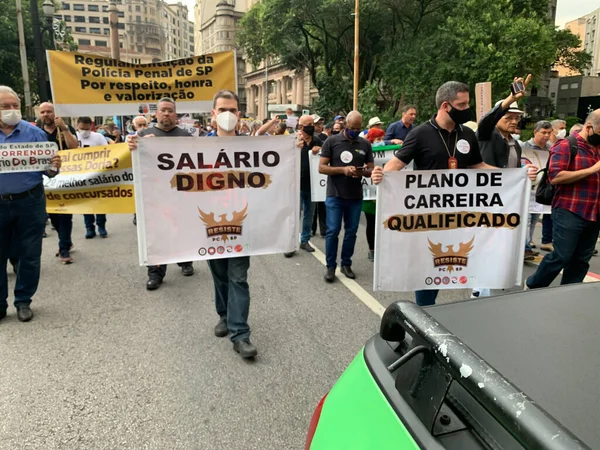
(323, 137)
(305, 163)
(341, 153)
(52, 137)
(175, 132)
(426, 147)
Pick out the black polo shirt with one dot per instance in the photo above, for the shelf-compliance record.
(305, 163)
(341, 153)
(52, 137)
(426, 147)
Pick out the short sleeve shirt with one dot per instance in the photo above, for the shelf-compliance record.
(175, 132)
(53, 137)
(430, 147)
(341, 153)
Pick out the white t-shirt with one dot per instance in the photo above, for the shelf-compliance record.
(94, 140)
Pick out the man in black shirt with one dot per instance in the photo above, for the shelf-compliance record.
(65, 137)
(166, 116)
(345, 158)
(306, 143)
(440, 143)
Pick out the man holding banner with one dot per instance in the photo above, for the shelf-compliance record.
(22, 206)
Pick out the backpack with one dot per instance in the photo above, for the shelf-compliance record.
(545, 191)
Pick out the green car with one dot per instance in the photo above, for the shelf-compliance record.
(518, 371)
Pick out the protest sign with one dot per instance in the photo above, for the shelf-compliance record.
(92, 180)
(88, 85)
(462, 229)
(538, 158)
(26, 156)
(216, 197)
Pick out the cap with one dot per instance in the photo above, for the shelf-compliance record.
(339, 117)
(472, 125)
(316, 118)
(513, 108)
(374, 121)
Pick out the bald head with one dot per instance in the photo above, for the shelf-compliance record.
(593, 119)
(47, 114)
(354, 120)
(306, 120)
(591, 129)
(306, 125)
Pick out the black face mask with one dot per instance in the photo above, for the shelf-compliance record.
(335, 131)
(459, 117)
(594, 139)
(309, 129)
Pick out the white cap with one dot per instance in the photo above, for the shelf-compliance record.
(513, 108)
(316, 118)
(374, 121)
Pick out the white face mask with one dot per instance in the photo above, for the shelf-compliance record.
(227, 120)
(561, 134)
(516, 137)
(85, 133)
(379, 144)
(11, 117)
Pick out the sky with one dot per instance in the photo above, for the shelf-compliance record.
(567, 10)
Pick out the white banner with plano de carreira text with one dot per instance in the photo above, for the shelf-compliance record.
(222, 197)
(450, 229)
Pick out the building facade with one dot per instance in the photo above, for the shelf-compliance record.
(149, 30)
(577, 96)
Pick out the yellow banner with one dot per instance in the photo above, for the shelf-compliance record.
(88, 85)
(92, 180)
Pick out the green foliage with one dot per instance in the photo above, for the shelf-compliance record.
(408, 48)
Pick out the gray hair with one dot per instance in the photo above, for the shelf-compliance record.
(577, 127)
(167, 100)
(593, 118)
(448, 92)
(542, 125)
(558, 122)
(9, 90)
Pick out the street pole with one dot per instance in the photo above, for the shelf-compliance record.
(356, 49)
(267, 87)
(38, 51)
(113, 18)
(23, 54)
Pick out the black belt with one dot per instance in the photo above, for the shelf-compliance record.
(8, 197)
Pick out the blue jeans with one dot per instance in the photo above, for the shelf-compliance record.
(574, 242)
(63, 223)
(22, 221)
(426, 297)
(161, 271)
(308, 209)
(338, 209)
(547, 229)
(97, 219)
(232, 293)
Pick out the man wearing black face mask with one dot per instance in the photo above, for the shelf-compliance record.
(575, 207)
(307, 142)
(440, 143)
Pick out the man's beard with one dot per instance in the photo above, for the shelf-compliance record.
(48, 121)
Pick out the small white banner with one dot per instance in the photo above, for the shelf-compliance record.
(26, 156)
(209, 198)
(538, 158)
(462, 229)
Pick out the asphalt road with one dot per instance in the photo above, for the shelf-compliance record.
(106, 364)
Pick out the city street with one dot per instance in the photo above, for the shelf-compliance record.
(106, 364)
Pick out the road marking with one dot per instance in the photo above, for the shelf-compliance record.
(366, 298)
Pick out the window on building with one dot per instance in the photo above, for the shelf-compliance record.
(69, 29)
(138, 8)
(129, 8)
(138, 19)
(121, 26)
(139, 49)
(65, 6)
(80, 30)
(574, 85)
(93, 8)
(107, 31)
(104, 8)
(94, 19)
(80, 19)
(84, 42)
(105, 20)
(121, 14)
(564, 87)
(95, 30)
(101, 43)
(152, 12)
(78, 7)
(67, 18)
(552, 94)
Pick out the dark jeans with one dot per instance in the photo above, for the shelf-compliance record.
(161, 271)
(63, 223)
(22, 221)
(349, 211)
(232, 293)
(426, 298)
(320, 217)
(370, 230)
(547, 229)
(307, 210)
(97, 219)
(574, 242)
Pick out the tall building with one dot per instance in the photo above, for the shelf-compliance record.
(149, 30)
(591, 41)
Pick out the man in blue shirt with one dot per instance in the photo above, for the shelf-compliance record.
(399, 130)
(22, 210)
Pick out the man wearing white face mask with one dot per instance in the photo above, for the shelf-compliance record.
(89, 138)
(22, 210)
(559, 130)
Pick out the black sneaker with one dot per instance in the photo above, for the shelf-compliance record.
(221, 329)
(289, 254)
(347, 270)
(307, 247)
(330, 275)
(24, 314)
(187, 270)
(245, 349)
(153, 282)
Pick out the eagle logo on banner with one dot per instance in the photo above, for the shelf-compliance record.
(223, 227)
(450, 257)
